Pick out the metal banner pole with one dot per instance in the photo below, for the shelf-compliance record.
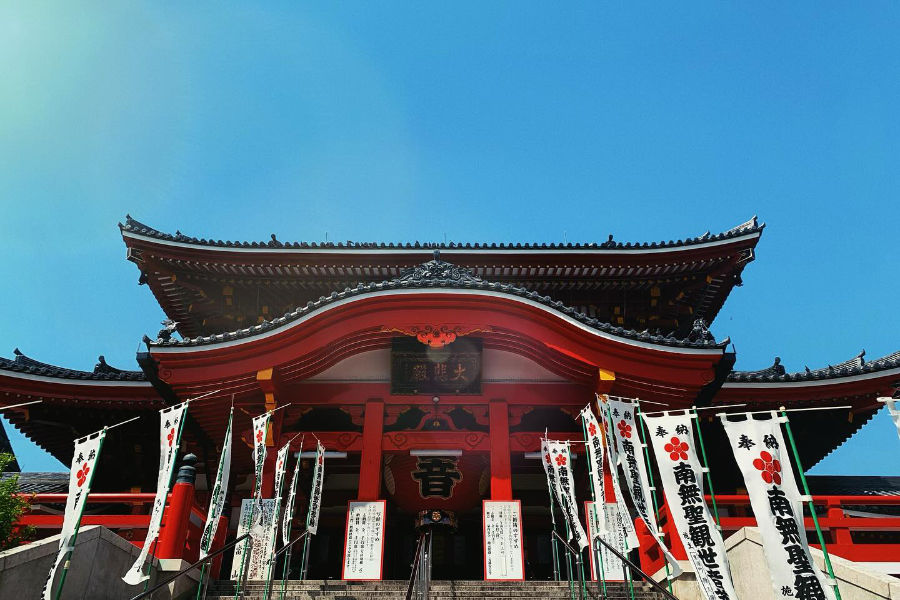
(642, 436)
(808, 498)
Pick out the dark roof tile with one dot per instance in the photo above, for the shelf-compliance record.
(855, 366)
(751, 226)
(102, 371)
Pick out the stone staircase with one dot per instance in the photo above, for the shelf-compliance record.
(440, 590)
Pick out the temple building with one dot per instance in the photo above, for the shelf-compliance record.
(430, 372)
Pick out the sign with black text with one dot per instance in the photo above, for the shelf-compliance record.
(364, 541)
(502, 529)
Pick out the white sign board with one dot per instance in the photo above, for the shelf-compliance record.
(262, 547)
(613, 569)
(364, 541)
(503, 558)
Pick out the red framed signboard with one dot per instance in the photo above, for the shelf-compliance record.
(364, 541)
(502, 536)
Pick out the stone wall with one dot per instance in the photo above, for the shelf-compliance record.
(750, 573)
(98, 563)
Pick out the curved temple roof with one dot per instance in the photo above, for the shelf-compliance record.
(102, 371)
(749, 227)
(849, 368)
(209, 287)
(438, 274)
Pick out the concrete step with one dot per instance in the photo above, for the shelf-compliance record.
(440, 590)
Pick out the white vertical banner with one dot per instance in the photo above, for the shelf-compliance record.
(272, 531)
(594, 450)
(893, 410)
(613, 458)
(87, 450)
(219, 491)
(672, 439)
(289, 508)
(315, 495)
(257, 550)
(502, 531)
(625, 429)
(764, 460)
(170, 421)
(548, 469)
(560, 460)
(260, 431)
(364, 541)
(614, 535)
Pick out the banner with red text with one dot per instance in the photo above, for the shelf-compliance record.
(763, 458)
(170, 421)
(594, 450)
(87, 450)
(672, 439)
(613, 458)
(560, 460)
(631, 456)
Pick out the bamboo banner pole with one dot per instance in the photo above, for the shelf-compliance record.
(808, 498)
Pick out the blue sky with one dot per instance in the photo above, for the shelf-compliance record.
(484, 122)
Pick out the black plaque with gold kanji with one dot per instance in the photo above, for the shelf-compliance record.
(419, 369)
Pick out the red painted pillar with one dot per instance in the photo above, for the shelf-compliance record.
(501, 472)
(217, 543)
(671, 533)
(173, 534)
(370, 461)
(841, 535)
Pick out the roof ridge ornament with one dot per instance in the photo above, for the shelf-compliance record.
(700, 332)
(103, 367)
(438, 270)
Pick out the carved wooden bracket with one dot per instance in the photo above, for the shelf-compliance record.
(436, 336)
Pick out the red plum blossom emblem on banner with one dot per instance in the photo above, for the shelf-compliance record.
(547, 459)
(624, 429)
(561, 460)
(259, 436)
(592, 429)
(171, 437)
(771, 468)
(677, 449)
(82, 474)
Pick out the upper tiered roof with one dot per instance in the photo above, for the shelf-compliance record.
(213, 286)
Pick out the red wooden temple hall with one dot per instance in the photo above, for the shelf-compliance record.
(431, 371)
